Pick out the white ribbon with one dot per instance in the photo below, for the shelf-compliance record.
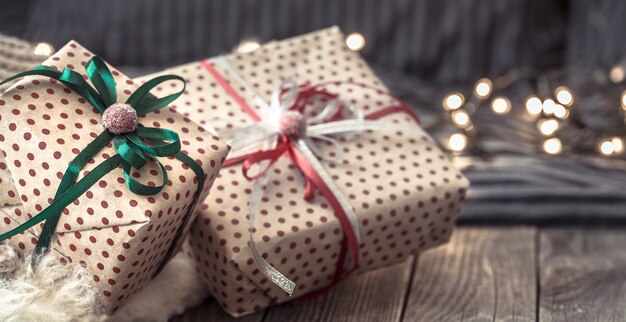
(264, 135)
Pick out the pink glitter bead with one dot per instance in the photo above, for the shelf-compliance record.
(120, 118)
(293, 124)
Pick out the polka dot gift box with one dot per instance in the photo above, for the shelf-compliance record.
(108, 175)
(329, 174)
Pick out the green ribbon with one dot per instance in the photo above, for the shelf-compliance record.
(134, 149)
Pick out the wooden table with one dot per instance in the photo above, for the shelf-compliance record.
(483, 274)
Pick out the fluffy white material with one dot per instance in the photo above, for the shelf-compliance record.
(175, 289)
(55, 292)
(49, 292)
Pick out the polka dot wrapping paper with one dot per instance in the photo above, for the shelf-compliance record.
(120, 237)
(404, 190)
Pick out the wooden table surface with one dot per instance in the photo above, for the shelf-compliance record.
(483, 274)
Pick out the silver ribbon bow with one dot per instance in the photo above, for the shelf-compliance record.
(265, 134)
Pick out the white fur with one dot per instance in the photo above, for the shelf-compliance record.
(175, 289)
(49, 292)
(57, 292)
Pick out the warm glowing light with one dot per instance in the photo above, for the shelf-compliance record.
(453, 101)
(457, 142)
(534, 105)
(618, 144)
(483, 88)
(624, 100)
(548, 106)
(43, 49)
(553, 146)
(564, 95)
(247, 46)
(501, 105)
(355, 41)
(548, 127)
(460, 118)
(617, 74)
(606, 147)
(560, 111)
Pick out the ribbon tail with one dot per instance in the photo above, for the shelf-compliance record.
(270, 272)
(181, 229)
(68, 196)
(264, 159)
(256, 196)
(70, 175)
(313, 169)
(248, 137)
(356, 125)
(318, 152)
(38, 71)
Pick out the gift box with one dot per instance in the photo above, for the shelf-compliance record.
(8, 195)
(402, 193)
(135, 195)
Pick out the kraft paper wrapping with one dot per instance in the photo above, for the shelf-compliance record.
(405, 192)
(119, 236)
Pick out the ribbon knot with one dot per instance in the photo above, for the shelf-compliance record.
(286, 123)
(293, 124)
(120, 118)
(135, 144)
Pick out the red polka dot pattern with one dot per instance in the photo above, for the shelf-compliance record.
(119, 236)
(8, 194)
(404, 190)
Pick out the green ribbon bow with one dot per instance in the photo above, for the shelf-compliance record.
(133, 149)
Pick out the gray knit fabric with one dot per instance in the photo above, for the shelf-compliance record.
(16, 55)
(440, 41)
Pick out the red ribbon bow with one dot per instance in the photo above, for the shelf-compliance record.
(285, 146)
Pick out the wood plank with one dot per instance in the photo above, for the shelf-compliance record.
(582, 275)
(483, 274)
(373, 296)
(210, 311)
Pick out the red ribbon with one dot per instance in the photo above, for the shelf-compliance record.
(312, 179)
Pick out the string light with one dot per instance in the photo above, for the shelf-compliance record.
(551, 114)
(483, 88)
(355, 41)
(560, 111)
(617, 74)
(247, 46)
(501, 105)
(553, 146)
(43, 49)
(453, 101)
(548, 127)
(457, 142)
(564, 96)
(460, 118)
(611, 146)
(548, 106)
(606, 147)
(618, 144)
(534, 105)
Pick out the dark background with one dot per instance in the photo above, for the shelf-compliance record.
(440, 41)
